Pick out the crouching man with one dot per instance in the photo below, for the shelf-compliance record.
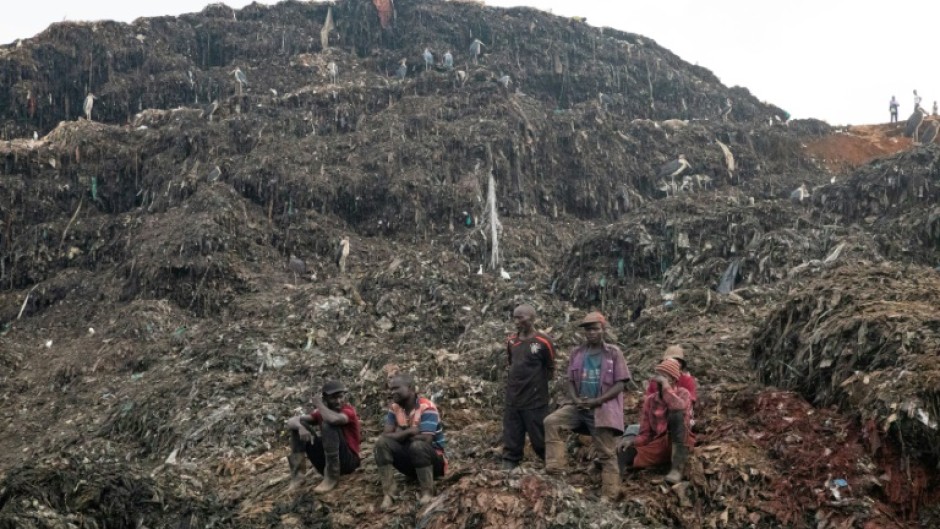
(412, 442)
(329, 437)
(664, 434)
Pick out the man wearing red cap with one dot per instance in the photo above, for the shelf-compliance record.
(664, 434)
(597, 372)
(335, 450)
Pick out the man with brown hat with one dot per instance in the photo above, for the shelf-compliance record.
(335, 451)
(664, 434)
(597, 372)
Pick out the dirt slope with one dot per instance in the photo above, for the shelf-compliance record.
(153, 339)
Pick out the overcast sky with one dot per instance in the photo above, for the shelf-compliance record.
(837, 60)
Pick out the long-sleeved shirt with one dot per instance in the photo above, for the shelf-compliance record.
(654, 417)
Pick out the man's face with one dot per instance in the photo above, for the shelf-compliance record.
(399, 392)
(523, 320)
(334, 401)
(594, 333)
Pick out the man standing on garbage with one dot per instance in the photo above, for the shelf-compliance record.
(335, 451)
(597, 373)
(664, 434)
(531, 357)
(893, 107)
(412, 442)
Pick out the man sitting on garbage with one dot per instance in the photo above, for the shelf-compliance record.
(335, 451)
(664, 434)
(412, 442)
(686, 380)
(597, 372)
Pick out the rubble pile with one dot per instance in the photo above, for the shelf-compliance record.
(171, 290)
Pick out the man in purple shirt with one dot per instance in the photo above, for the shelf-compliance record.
(597, 373)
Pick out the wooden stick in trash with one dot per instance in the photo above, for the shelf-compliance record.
(22, 308)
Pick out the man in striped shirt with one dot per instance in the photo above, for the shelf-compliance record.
(412, 441)
(531, 358)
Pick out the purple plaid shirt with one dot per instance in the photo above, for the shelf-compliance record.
(613, 369)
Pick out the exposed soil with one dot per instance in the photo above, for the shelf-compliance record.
(153, 339)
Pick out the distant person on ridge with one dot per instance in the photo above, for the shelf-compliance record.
(336, 450)
(935, 108)
(893, 106)
(531, 358)
(917, 101)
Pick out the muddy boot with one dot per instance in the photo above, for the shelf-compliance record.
(610, 484)
(298, 467)
(387, 479)
(330, 475)
(680, 455)
(555, 457)
(426, 480)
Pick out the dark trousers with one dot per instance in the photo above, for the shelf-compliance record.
(408, 455)
(329, 441)
(516, 424)
(675, 422)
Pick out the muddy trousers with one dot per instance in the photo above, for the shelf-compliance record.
(516, 424)
(678, 434)
(570, 418)
(329, 443)
(408, 456)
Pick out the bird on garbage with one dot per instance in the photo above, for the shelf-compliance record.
(210, 109)
(428, 59)
(214, 174)
(604, 100)
(480, 270)
(297, 266)
(503, 274)
(89, 104)
(461, 77)
(342, 252)
(240, 78)
(475, 48)
(674, 168)
(726, 111)
(800, 193)
(505, 81)
(402, 70)
(333, 70)
(448, 60)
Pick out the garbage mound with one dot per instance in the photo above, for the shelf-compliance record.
(863, 338)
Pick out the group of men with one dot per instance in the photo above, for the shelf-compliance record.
(412, 441)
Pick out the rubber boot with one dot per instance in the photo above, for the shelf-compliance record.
(680, 455)
(298, 467)
(555, 457)
(330, 474)
(387, 479)
(610, 484)
(426, 480)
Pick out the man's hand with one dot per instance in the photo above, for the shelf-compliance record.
(588, 404)
(305, 435)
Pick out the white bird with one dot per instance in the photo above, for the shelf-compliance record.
(800, 193)
(214, 174)
(35, 135)
(342, 252)
(210, 109)
(503, 274)
(461, 77)
(402, 70)
(240, 78)
(480, 271)
(89, 104)
(475, 48)
(448, 60)
(428, 59)
(605, 100)
(333, 71)
(297, 266)
(505, 81)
